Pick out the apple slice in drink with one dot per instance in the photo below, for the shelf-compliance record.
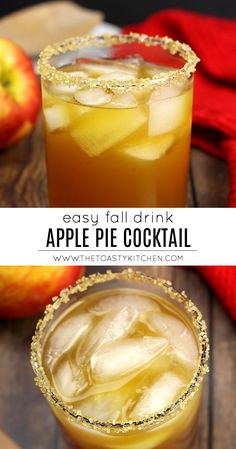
(101, 129)
(149, 149)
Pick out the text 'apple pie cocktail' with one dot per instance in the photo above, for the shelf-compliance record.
(117, 114)
(121, 358)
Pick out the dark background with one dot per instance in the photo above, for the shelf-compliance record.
(122, 12)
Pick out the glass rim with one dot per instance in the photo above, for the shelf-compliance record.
(154, 419)
(51, 73)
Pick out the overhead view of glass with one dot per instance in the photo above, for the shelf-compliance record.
(120, 358)
(117, 113)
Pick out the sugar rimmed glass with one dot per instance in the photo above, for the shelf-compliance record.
(154, 430)
(119, 138)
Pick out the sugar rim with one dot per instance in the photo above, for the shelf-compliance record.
(52, 74)
(108, 426)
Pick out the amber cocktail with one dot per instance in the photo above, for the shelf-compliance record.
(121, 357)
(117, 114)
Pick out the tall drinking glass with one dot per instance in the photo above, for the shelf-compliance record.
(120, 357)
(117, 113)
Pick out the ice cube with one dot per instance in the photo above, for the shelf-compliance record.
(103, 128)
(127, 100)
(139, 303)
(117, 359)
(149, 149)
(111, 327)
(57, 117)
(158, 396)
(69, 380)
(166, 115)
(180, 337)
(97, 67)
(92, 97)
(63, 90)
(106, 406)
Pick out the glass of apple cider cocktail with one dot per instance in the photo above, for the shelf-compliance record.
(121, 357)
(117, 113)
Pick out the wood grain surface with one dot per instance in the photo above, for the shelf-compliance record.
(25, 415)
(23, 176)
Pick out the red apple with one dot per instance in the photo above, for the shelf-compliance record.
(25, 291)
(19, 93)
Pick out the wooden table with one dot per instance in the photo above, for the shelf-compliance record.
(25, 415)
(23, 180)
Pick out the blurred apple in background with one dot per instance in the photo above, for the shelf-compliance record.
(19, 93)
(25, 291)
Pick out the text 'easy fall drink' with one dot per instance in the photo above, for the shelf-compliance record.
(117, 115)
(125, 366)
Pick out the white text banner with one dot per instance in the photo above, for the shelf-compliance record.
(117, 236)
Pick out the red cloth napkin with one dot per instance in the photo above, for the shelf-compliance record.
(214, 111)
(223, 281)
